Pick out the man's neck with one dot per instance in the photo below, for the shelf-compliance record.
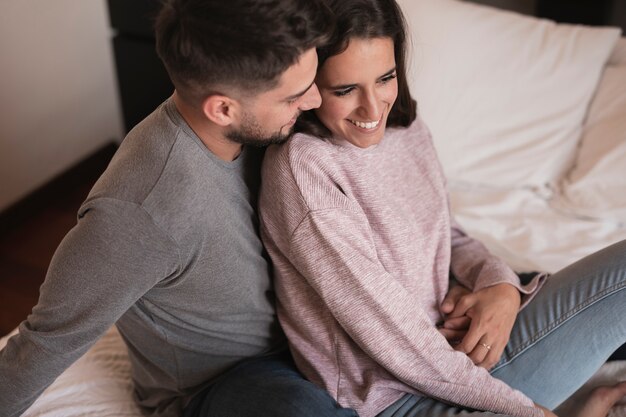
(211, 135)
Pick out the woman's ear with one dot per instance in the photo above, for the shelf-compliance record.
(221, 110)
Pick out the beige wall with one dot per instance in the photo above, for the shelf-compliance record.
(57, 90)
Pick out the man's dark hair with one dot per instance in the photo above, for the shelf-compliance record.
(367, 19)
(208, 45)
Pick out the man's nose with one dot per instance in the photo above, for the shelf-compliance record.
(311, 99)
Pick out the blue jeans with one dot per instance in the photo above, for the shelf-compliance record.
(560, 339)
(265, 387)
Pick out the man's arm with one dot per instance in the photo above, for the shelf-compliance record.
(113, 256)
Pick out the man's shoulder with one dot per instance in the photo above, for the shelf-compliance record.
(154, 151)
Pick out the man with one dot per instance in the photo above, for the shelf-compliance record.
(166, 243)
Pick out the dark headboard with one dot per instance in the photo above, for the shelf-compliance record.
(142, 79)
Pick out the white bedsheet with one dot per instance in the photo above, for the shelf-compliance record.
(522, 227)
(97, 385)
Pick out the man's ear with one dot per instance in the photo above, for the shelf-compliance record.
(221, 110)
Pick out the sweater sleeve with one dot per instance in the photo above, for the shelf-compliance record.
(333, 250)
(476, 268)
(470, 262)
(111, 258)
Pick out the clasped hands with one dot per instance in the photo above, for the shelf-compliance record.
(485, 318)
(480, 323)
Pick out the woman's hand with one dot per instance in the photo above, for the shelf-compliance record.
(456, 329)
(482, 321)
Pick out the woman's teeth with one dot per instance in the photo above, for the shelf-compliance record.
(365, 125)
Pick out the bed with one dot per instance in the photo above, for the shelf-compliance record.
(529, 119)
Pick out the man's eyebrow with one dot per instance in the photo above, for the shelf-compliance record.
(346, 86)
(300, 94)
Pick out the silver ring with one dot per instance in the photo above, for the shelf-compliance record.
(486, 346)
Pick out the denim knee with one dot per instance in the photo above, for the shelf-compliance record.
(265, 387)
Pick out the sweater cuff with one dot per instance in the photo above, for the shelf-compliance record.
(500, 273)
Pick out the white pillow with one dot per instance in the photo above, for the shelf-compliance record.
(504, 94)
(618, 57)
(596, 187)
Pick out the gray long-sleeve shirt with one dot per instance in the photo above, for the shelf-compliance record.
(166, 245)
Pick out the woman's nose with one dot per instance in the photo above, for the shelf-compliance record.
(371, 105)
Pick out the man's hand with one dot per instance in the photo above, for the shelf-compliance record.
(483, 320)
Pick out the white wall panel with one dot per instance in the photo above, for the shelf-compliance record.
(58, 93)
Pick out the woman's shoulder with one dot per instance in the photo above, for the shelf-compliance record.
(299, 151)
(417, 130)
(414, 142)
(306, 168)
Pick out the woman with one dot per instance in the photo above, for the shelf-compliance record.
(354, 214)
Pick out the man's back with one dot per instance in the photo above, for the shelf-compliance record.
(166, 245)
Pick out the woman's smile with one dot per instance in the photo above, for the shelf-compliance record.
(366, 126)
(359, 88)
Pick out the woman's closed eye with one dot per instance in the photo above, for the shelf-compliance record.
(387, 78)
(343, 92)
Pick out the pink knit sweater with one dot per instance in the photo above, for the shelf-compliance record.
(362, 243)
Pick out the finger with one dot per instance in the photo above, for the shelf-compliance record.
(453, 335)
(450, 300)
(480, 353)
(474, 334)
(493, 356)
(463, 305)
(457, 323)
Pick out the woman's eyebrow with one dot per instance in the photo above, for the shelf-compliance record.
(345, 86)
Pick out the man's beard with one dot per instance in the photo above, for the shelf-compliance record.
(252, 134)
